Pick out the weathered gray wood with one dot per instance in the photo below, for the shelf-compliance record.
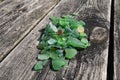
(1, 0)
(117, 41)
(18, 18)
(89, 64)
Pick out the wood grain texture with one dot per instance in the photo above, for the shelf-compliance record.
(117, 41)
(18, 18)
(89, 64)
(1, 0)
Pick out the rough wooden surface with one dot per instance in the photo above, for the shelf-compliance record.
(89, 64)
(17, 18)
(117, 41)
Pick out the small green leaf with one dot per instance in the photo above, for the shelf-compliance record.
(61, 42)
(82, 35)
(70, 53)
(40, 46)
(43, 57)
(82, 23)
(84, 40)
(38, 66)
(73, 24)
(53, 27)
(55, 20)
(75, 14)
(75, 33)
(43, 51)
(51, 41)
(66, 17)
(58, 63)
(43, 37)
(63, 22)
(48, 30)
(59, 53)
(75, 42)
(53, 55)
(68, 29)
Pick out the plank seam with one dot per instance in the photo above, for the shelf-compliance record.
(110, 66)
(27, 32)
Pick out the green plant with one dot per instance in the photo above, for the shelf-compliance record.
(59, 41)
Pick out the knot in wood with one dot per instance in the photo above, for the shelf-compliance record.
(99, 34)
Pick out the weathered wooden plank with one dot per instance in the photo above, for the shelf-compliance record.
(117, 41)
(21, 62)
(18, 18)
(89, 64)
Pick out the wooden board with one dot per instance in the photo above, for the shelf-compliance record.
(117, 41)
(89, 64)
(18, 18)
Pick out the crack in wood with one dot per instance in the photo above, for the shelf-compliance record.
(110, 68)
(3, 56)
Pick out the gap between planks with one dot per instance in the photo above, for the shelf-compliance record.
(110, 68)
(15, 43)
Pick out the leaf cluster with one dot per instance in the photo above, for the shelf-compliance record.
(59, 41)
